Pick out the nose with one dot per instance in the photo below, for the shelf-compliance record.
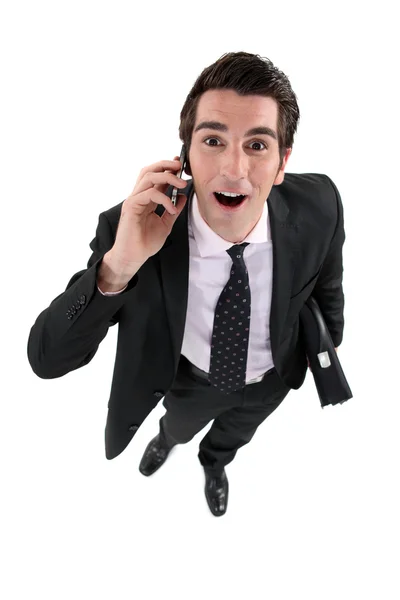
(234, 164)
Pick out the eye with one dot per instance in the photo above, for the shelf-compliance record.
(257, 142)
(216, 145)
(210, 138)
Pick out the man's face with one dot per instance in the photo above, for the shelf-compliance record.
(233, 160)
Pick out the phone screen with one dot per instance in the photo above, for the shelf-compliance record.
(182, 160)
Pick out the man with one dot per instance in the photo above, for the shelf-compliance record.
(207, 296)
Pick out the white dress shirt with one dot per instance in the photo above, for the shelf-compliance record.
(209, 271)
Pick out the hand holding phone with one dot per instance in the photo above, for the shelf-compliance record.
(141, 232)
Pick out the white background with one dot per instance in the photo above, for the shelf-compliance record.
(91, 93)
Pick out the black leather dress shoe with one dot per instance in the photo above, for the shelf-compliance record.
(217, 489)
(154, 456)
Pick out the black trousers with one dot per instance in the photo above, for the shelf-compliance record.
(192, 402)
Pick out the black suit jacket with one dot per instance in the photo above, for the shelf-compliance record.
(306, 219)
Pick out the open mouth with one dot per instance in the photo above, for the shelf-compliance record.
(229, 201)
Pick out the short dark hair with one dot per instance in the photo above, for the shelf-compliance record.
(246, 74)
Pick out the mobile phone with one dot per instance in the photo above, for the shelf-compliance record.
(182, 160)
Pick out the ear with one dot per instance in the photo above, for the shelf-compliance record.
(281, 173)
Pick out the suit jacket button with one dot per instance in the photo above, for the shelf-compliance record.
(133, 428)
(159, 394)
(82, 299)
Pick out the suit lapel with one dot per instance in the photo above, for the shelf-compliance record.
(174, 265)
(285, 240)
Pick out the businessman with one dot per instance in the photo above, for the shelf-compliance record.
(206, 295)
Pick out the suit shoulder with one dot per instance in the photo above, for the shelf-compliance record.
(311, 194)
(306, 181)
(315, 191)
(113, 215)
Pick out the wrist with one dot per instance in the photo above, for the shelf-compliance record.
(112, 275)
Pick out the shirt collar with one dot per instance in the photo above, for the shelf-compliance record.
(210, 243)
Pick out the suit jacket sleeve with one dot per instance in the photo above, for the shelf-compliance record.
(66, 335)
(328, 290)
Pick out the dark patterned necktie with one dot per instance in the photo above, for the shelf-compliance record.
(230, 336)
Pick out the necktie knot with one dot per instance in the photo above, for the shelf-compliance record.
(236, 252)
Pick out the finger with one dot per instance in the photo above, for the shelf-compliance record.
(160, 181)
(162, 165)
(147, 201)
(176, 159)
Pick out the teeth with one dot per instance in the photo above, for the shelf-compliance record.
(231, 194)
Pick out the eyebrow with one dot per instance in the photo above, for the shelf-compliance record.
(217, 126)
